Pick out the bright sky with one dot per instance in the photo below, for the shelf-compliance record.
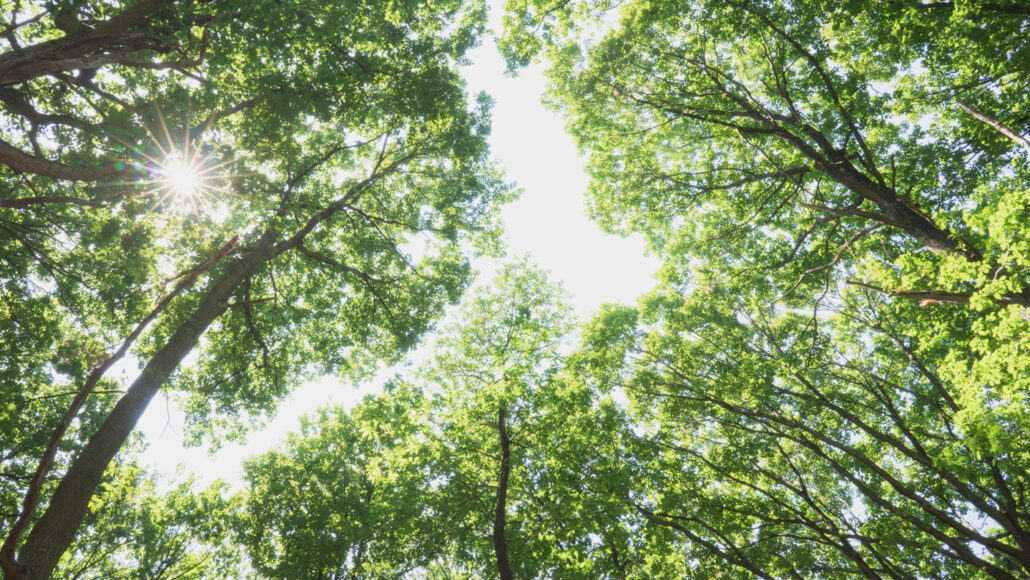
(548, 222)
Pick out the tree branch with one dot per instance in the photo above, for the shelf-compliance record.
(22, 162)
(996, 125)
(940, 297)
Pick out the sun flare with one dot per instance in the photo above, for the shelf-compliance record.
(181, 176)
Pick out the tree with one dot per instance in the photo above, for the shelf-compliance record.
(135, 531)
(533, 447)
(788, 148)
(358, 145)
(815, 174)
(348, 497)
(473, 467)
(492, 371)
(840, 454)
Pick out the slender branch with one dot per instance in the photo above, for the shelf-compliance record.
(836, 259)
(252, 328)
(67, 393)
(851, 210)
(45, 199)
(335, 263)
(996, 125)
(16, 25)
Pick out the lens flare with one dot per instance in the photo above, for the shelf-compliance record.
(178, 172)
(183, 178)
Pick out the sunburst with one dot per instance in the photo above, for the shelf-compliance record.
(183, 180)
(180, 176)
(185, 176)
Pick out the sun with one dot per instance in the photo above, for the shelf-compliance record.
(182, 176)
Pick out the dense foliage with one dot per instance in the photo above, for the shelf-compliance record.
(831, 376)
(344, 182)
(830, 379)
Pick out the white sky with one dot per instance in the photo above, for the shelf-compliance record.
(548, 222)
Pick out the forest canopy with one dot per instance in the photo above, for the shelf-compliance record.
(829, 378)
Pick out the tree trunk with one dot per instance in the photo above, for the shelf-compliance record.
(500, 501)
(53, 532)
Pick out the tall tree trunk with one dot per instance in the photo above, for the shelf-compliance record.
(35, 486)
(53, 532)
(500, 501)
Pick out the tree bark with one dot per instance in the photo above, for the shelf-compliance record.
(986, 7)
(896, 211)
(940, 297)
(500, 501)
